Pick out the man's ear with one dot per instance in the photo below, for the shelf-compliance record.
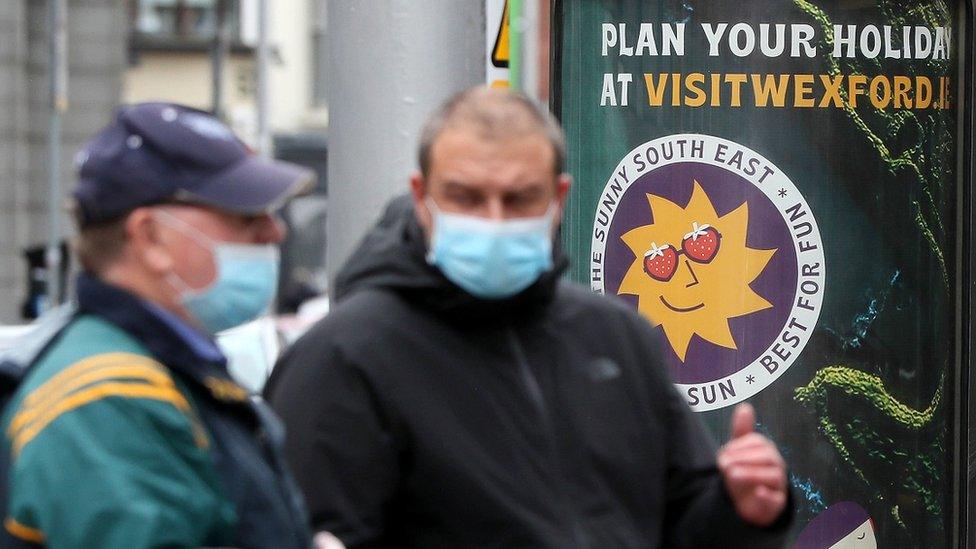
(146, 244)
(563, 183)
(418, 189)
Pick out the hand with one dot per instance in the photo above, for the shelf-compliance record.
(753, 470)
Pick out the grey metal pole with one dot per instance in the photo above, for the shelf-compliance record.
(218, 57)
(391, 62)
(58, 74)
(530, 47)
(261, 77)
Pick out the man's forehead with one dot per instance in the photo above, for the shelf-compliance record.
(471, 141)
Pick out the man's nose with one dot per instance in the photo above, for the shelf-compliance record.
(691, 278)
(496, 209)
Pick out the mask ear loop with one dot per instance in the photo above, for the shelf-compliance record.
(188, 230)
(434, 214)
(432, 207)
(194, 234)
(181, 287)
(553, 209)
(554, 213)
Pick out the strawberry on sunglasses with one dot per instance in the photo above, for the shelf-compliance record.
(700, 245)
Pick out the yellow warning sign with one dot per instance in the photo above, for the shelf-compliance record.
(499, 54)
(496, 43)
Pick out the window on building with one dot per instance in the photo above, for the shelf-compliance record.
(181, 24)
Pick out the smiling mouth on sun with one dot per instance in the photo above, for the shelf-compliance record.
(681, 309)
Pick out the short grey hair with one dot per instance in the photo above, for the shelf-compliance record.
(495, 113)
(100, 245)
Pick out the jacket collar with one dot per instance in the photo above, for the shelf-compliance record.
(170, 340)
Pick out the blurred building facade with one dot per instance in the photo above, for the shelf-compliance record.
(170, 53)
(384, 65)
(142, 50)
(96, 63)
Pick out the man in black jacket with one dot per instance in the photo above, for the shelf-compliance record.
(462, 394)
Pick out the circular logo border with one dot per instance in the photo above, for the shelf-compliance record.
(793, 337)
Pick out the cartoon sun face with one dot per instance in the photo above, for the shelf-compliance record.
(692, 270)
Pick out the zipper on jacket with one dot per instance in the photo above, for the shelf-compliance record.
(534, 391)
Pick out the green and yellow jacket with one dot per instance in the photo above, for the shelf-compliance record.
(127, 432)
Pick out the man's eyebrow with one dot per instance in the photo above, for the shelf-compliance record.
(528, 189)
(454, 185)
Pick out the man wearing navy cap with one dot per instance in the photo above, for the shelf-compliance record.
(126, 430)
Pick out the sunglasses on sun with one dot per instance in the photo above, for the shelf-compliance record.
(700, 245)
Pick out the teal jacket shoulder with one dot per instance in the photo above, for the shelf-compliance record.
(107, 449)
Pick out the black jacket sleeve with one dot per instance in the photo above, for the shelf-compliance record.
(337, 445)
(698, 510)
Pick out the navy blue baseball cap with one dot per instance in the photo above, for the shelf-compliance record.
(160, 152)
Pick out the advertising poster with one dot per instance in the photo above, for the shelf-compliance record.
(774, 186)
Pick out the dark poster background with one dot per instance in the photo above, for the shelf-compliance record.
(864, 415)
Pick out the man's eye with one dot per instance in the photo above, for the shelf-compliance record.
(522, 203)
(517, 200)
(464, 200)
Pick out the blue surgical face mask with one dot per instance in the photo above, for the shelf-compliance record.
(245, 284)
(491, 259)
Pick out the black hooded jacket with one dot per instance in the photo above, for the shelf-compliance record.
(421, 416)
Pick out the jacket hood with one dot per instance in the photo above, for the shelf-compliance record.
(393, 256)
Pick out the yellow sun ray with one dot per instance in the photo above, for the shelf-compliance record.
(700, 205)
(662, 207)
(718, 333)
(737, 222)
(679, 335)
(754, 263)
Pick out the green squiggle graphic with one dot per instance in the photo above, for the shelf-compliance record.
(865, 423)
(870, 387)
(918, 471)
